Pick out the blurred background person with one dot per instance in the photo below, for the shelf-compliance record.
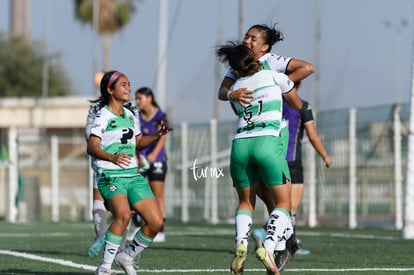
(150, 116)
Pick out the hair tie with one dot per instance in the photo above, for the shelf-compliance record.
(113, 78)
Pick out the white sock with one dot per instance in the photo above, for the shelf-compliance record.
(138, 244)
(243, 226)
(279, 228)
(109, 254)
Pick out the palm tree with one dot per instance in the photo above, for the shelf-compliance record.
(113, 16)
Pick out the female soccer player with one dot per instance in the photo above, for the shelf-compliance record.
(258, 151)
(115, 136)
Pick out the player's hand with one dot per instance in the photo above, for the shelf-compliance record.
(328, 161)
(163, 129)
(243, 96)
(122, 160)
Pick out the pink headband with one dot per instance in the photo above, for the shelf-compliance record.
(113, 78)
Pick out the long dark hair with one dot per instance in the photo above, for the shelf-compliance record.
(147, 92)
(240, 58)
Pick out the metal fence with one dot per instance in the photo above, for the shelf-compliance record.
(360, 189)
(46, 175)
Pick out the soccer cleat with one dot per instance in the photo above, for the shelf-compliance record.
(259, 234)
(96, 247)
(293, 244)
(237, 264)
(266, 257)
(282, 258)
(160, 238)
(302, 251)
(126, 262)
(103, 271)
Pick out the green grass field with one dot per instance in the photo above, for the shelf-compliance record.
(60, 248)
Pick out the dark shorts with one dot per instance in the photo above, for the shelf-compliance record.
(296, 171)
(157, 171)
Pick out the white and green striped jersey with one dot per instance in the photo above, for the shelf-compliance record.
(263, 116)
(270, 61)
(117, 134)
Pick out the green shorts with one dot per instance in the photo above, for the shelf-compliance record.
(284, 135)
(135, 188)
(261, 157)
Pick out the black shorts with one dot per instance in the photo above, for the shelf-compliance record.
(296, 171)
(157, 171)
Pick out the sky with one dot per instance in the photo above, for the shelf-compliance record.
(364, 55)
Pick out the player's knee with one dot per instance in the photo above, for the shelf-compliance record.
(123, 218)
(156, 224)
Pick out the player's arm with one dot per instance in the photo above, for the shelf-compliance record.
(158, 147)
(242, 95)
(145, 141)
(317, 143)
(94, 149)
(297, 70)
(225, 88)
(289, 91)
(292, 98)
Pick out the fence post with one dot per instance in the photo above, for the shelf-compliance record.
(311, 185)
(13, 175)
(89, 205)
(184, 172)
(55, 178)
(352, 169)
(397, 167)
(213, 165)
(408, 230)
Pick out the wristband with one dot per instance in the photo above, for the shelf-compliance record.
(229, 94)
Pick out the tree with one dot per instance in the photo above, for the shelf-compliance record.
(21, 64)
(113, 16)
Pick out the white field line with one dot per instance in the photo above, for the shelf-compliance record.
(26, 235)
(152, 271)
(47, 260)
(197, 231)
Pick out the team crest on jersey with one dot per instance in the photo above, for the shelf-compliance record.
(112, 188)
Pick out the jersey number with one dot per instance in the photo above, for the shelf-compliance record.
(248, 113)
